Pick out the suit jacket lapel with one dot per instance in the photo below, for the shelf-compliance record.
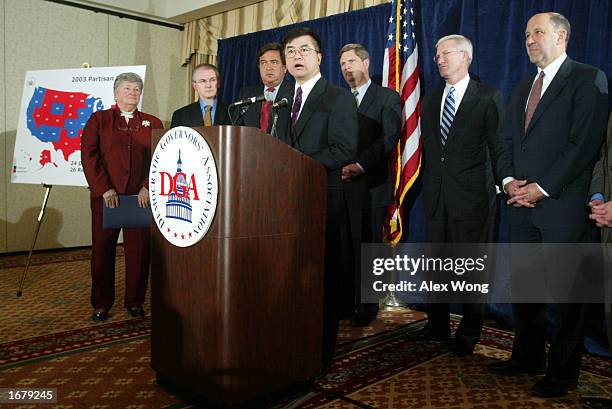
(285, 91)
(196, 114)
(252, 115)
(436, 100)
(308, 107)
(284, 113)
(463, 112)
(551, 93)
(368, 99)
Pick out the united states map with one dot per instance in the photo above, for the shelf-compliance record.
(58, 118)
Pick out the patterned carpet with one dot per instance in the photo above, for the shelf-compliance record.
(55, 294)
(48, 340)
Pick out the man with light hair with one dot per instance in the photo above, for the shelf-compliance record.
(208, 110)
(459, 122)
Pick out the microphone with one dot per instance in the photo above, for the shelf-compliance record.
(248, 101)
(282, 103)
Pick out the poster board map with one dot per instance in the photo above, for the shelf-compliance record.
(55, 106)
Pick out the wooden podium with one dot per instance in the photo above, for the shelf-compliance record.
(239, 314)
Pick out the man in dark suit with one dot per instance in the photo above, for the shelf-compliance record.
(459, 123)
(367, 182)
(208, 110)
(271, 64)
(323, 125)
(550, 141)
(601, 213)
(601, 190)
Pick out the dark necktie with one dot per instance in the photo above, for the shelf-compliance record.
(207, 115)
(448, 115)
(297, 104)
(356, 95)
(264, 113)
(534, 99)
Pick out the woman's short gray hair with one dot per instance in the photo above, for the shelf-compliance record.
(127, 76)
(462, 43)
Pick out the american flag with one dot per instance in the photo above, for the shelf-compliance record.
(401, 72)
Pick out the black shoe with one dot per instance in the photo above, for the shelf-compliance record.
(136, 312)
(99, 315)
(513, 368)
(552, 388)
(596, 402)
(364, 315)
(426, 334)
(463, 350)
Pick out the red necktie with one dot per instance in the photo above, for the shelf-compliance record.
(264, 114)
(534, 99)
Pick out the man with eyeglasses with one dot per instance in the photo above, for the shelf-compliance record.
(208, 110)
(271, 64)
(367, 183)
(459, 122)
(322, 125)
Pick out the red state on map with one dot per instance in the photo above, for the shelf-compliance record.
(45, 158)
(68, 145)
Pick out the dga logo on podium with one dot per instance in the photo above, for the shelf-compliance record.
(183, 186)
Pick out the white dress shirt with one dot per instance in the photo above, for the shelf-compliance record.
(550, 71)
(460, 88)
(306, 88)
(361, 91)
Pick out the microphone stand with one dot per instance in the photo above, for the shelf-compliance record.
(274, 119)
(245, 103)
(229, 112)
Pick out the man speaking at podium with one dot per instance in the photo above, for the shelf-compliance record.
(271, 64)
(322, 125)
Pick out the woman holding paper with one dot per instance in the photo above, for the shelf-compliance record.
(116, 153)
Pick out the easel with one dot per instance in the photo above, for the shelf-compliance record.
(41, 216)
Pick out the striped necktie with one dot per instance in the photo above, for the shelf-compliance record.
(356, 95)
(448, 114)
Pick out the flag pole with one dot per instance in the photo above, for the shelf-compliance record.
(390, 301)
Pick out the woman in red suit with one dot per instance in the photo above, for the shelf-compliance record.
(116, 153)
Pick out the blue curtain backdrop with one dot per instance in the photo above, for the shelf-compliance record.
(237, 55)
(496, 29)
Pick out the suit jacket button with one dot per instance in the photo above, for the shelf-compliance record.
(442, 159)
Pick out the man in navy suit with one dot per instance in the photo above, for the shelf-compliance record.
(459, 123)
(322, 125)
(601, 212)
(208, 109)
(550, 141)
(367, 184)
(272, 69)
